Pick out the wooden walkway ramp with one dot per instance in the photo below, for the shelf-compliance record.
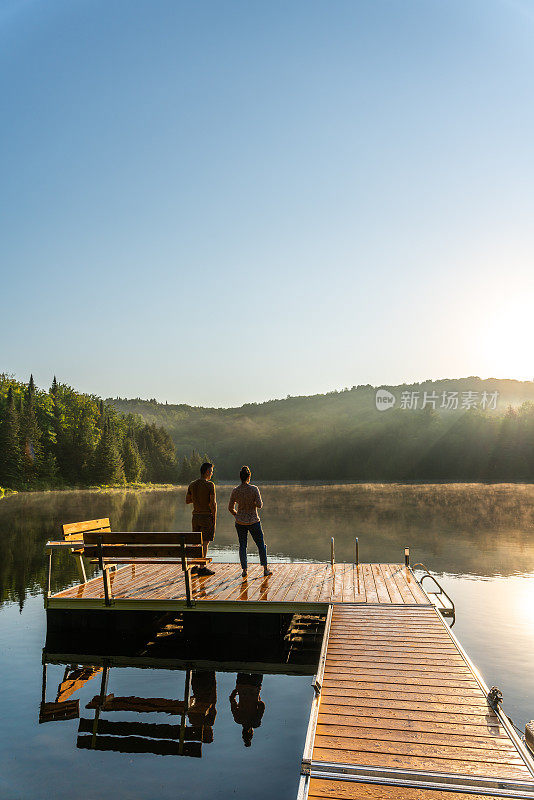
(292, 586)
(401, 714)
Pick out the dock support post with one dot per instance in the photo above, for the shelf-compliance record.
(332, 552)
(187, 573)
(101, 701)
(80, 565)
(357, 562)
(185, 711)
(407, 556)
(43, 684)
(107, 587)
(187, 577)
(105, 574)
(48, 579)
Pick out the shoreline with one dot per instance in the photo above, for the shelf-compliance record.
(169, 487)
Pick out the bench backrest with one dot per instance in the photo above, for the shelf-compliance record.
(142, 544)
(94, 537)
(74, 531)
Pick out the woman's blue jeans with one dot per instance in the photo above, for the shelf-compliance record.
(257, 535)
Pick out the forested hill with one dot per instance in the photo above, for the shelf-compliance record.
(457, 435)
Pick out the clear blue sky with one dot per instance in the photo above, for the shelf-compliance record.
(221, 202)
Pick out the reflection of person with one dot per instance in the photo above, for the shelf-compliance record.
(202, 494)
(202, 708)
(248, 500)
(249, 710)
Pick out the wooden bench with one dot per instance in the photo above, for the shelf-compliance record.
(94, 540)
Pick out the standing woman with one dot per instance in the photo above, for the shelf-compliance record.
(248, 499)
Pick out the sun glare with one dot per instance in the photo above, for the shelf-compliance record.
(504, 343)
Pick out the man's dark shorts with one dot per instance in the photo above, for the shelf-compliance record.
(205, 524)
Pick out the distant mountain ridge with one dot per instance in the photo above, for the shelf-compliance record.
(513, 392)
(343, 436)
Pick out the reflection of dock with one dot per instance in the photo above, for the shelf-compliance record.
(181, 664)
(292, 587)
(142, 737)
(131, 724)
(126, 736)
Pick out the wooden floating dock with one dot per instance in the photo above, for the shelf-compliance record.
(291, 587)
(400, 712)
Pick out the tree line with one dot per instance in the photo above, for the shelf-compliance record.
(60, 438)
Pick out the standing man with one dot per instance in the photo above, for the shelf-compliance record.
(202, 494)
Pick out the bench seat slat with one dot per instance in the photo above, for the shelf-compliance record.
(144, 551)
(140, 560)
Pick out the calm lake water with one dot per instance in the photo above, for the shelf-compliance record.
(478, 539)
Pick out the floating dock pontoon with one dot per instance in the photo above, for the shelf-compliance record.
(399, 713)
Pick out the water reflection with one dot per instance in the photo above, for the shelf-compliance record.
(203, 707)
(125, 736)
(126, 723)
(122, 735)
(247, 706)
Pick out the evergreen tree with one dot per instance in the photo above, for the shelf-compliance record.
(107, 465)
(30, 436)
(10, 454)
(133, 464)
(190, 467)
(158, 453)
(101, 415)
(53, 388)
(184, 471)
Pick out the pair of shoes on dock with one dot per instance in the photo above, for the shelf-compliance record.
(266, 572)
(202, 571)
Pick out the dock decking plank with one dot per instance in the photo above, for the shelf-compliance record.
(418, 762)
(426, 737)
(345, 790)
(381, 587)
(311, 587)
(300, 585)
(270, 589)
(393, 589)
(398, 574)
(371, 594)
(339, 716)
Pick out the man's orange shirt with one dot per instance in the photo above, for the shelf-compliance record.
(201, 492)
